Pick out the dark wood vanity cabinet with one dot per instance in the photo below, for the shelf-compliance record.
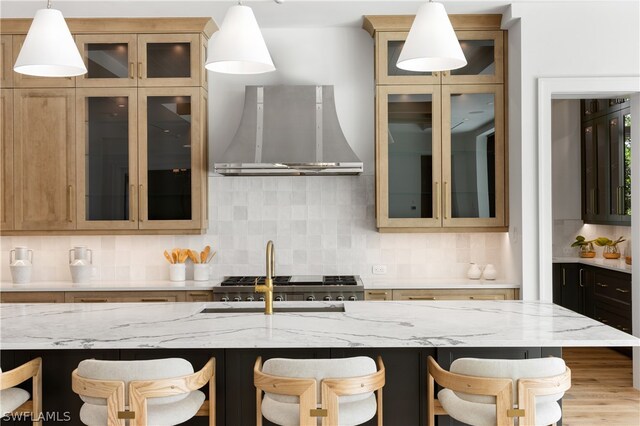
(606, 161)
(572, 284)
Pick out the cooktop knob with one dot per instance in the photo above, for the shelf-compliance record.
(353, 298)
(327, 298)
(224, 299)
(311, 298)
(340, 298)
(237, 299)
(249, 299)
(262, 298)
(278, 299)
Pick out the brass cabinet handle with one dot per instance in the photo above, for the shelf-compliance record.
(140, 203)
(446, 204)
(602, 285)
(445, 73)
(564, 277)
(623, 328)
(435, 74)
(94, 300)
(132, 74)
(139, 69)
(604, 321)
(621, 200)
(421, 298)
(154, 300)
(132, 189)
(620, 290)
(437, 215)
(69, 203)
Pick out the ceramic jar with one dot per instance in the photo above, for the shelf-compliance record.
(489, 272)
(474, 272)
(201, 272)
(80, 264)
(20, 263)
(177, 272)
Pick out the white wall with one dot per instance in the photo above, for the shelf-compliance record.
(558, 39)
(565, 133)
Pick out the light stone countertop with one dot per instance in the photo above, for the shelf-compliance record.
(435, 283)
(363, 324)
(612, 264)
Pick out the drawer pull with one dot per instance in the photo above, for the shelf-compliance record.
(621, 290)
(421, 298)
(602, 285)
(605, 321)
(94, 300)
(626, 329)
(154, 300)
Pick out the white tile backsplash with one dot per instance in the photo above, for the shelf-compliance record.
(565, 232)
(320, 225)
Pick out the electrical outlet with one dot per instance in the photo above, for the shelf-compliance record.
(379, 269)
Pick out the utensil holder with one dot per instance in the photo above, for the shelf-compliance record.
(177, 272)
(201, 272)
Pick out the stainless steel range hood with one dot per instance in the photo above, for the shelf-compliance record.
(288, 130)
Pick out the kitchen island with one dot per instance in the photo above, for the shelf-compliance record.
(404, 333)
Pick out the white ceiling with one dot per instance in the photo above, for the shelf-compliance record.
(292, 13)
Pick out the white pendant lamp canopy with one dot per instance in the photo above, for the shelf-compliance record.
(432, 44)
(238, 47)
(49, 49)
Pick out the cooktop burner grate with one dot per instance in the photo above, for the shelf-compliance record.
(329, 280)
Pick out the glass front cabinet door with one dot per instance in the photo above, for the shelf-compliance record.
(171, 158)
(484, 51)
(473, 163)
(169, 60)
(107, 160)
(111, 60)
(389, 45)
(408, 149)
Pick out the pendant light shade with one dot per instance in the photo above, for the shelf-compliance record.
(49, 49)
(432, 44)
(238, 47)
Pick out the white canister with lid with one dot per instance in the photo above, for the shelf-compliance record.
(20, 264)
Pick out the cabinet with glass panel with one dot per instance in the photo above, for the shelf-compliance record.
(440, 137)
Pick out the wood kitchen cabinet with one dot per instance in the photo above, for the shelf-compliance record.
(457, 294)
(125, 151)
(44, 159)
(441, 137)
(31, 297)
(6, 61)
(123, 296)
(6, 161)
(606, 164)
(380, 295)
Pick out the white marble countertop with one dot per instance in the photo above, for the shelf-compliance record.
(613, 264)
(363, 324)
(435, 283)
(110, 286)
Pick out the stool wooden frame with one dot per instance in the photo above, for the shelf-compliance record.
(141, 390)
(305, 389)
(501, 388)
(12, 378)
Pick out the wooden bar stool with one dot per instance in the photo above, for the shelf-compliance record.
(17, 401)
(488, 392)
(299, 391)
(154, 392)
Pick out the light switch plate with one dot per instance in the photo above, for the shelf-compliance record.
(379, 269)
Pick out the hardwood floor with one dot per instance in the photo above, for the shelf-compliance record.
(602, 392)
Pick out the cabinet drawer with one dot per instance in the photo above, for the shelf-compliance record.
(199, 296)
(124, 296)
(377, 295)
(612, 287)
(620, 319)
(475, 294)
(32, 297)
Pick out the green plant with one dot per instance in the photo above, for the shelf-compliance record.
(582, 241)
(604, 241)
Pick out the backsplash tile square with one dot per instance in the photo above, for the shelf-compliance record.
(320, 225)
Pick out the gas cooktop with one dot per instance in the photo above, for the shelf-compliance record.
(284, 280)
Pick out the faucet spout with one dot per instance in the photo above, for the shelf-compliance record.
(267, 287)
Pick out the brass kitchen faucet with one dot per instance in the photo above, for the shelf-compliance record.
(267, 287)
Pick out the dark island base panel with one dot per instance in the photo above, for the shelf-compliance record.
(404, 394)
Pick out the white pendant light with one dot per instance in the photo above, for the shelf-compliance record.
(432, 44)
(238, 47)
(49, 49)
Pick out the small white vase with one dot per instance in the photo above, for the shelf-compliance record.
(474, 272)
(80, 264)
(20, 264)
(489, 272)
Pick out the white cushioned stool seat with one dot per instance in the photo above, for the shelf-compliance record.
(12, 398)
(352, 409)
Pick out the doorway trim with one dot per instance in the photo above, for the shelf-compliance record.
(579, 88)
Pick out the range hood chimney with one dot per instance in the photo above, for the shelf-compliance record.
(291, 131)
